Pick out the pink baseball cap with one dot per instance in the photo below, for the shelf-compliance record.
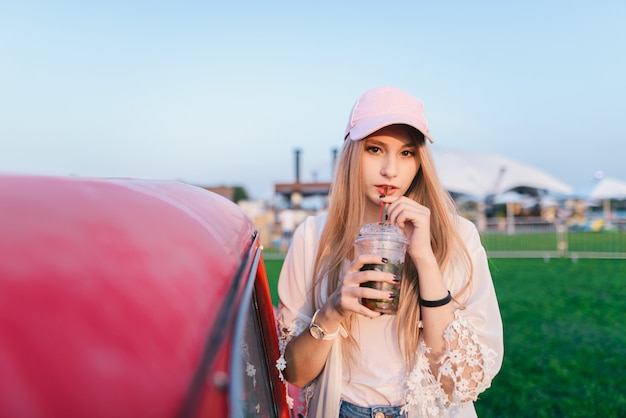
(384, 106)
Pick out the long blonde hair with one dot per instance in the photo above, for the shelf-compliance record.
(346, 216)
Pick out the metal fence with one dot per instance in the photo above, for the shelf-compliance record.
(536, 238)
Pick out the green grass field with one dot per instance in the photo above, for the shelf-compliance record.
(607, 242)
(565, 344)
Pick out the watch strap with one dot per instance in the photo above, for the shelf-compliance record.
(327, 336)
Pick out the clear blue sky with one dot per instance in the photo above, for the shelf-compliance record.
(222, 92)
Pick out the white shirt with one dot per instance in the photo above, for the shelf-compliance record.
(380, 376)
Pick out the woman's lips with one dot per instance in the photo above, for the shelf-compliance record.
(385, 189)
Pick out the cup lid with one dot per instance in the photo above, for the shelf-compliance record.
(382, 230)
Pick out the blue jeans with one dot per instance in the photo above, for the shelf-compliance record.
(349, 410)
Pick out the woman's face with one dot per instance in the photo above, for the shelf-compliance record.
(389, 163)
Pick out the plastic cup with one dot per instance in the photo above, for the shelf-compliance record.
(385, 240)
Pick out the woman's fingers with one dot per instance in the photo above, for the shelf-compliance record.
(350, 302)
(386, 291)
(414, 219)
(404, 209)
(363, 259)
(365, 268)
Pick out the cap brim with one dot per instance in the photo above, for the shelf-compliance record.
(368, 127)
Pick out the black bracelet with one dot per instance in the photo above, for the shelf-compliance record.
(435, 303)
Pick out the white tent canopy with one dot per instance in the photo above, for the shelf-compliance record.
(509, 197)
(481, 175)
(608, 188)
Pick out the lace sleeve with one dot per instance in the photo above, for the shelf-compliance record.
(465, 366)
(286, 332)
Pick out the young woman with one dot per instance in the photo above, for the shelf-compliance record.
(444, 346)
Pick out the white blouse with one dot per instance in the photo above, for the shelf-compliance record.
(379, 376)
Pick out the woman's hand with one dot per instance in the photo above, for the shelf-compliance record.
(346, 298)
(305, 355)
(414, 219)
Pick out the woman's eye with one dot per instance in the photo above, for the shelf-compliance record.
(408, 153)
(373, 149)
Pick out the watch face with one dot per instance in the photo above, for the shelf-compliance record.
(316, 332)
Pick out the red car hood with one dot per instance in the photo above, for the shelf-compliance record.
(108, 288)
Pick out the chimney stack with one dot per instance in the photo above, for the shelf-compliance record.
(297, 151)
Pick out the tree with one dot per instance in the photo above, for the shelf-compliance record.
(239, 193)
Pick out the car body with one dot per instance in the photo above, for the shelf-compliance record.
(132, 298)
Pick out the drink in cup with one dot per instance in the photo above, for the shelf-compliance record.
(388, 241)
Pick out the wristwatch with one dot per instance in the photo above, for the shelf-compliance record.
(318, 333)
